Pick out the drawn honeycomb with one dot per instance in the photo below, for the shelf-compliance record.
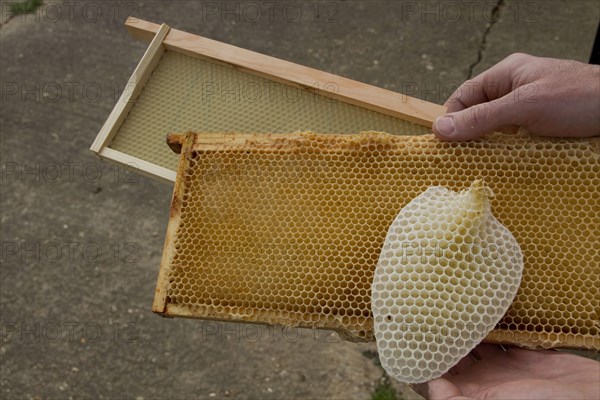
(288, 228)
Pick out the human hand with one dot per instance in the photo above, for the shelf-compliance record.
(546, 96)
(493, 373)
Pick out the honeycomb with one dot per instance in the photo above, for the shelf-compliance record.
(287, 229)
(185, 93)
(447, 274)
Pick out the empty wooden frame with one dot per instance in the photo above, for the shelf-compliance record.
(181, 63)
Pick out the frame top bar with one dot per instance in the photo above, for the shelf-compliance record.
(343, 89)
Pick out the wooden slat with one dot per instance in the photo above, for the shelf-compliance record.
(138, 164)
(134, 87)
(140, 29)
(346, 90)
(159, 304)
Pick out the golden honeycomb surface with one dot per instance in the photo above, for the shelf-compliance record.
(288, 229)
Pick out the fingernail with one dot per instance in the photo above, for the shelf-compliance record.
(445, 125)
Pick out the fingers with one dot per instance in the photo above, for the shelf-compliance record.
(448, 387)
(492, 84)
(476, 91)
(441, 389)
(472, 122)
(485, 103)
(437, 389)
(483, 352)
(477, 120)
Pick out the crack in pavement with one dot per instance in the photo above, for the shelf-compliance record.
(483, 44)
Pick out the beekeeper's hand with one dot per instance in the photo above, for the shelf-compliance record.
(546, 96)
(490, 372)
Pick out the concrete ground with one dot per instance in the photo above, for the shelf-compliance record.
(82, 239)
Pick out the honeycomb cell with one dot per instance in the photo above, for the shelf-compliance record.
(465, 218)
(273, 228)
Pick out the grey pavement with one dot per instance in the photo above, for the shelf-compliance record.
(82, 239)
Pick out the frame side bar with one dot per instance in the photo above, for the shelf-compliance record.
(159, 305)
(138, 164)
(346, 90)
(132, 90)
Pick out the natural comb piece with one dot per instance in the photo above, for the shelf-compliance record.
(447, 274)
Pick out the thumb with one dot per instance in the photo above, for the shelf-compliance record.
(477, 120)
